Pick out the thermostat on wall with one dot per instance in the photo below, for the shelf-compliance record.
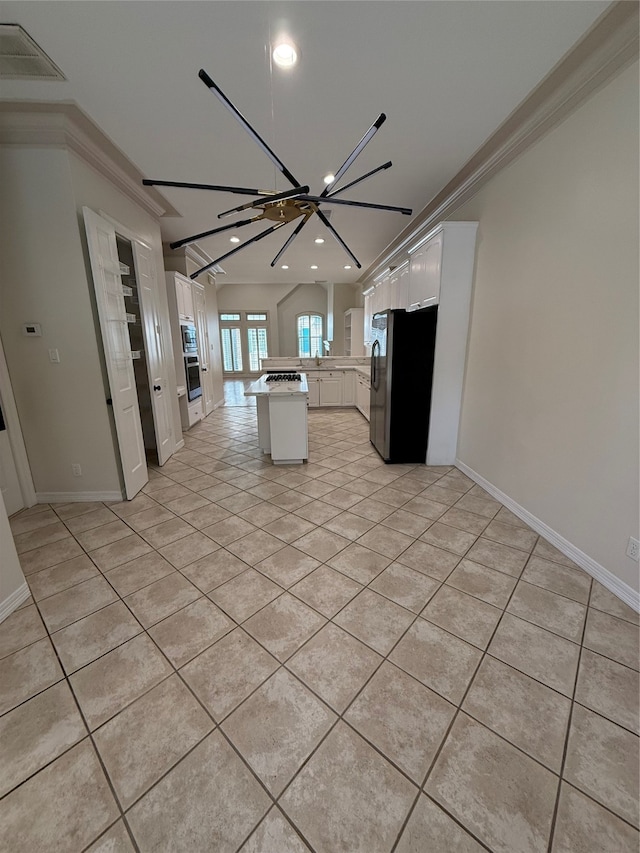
(32, 330)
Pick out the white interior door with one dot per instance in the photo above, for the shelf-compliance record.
(9, 482)
(105, 267)
(155, 349)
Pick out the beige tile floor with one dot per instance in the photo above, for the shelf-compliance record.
(342, 657)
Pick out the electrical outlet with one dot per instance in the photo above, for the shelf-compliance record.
(77, 470)
(633, 549)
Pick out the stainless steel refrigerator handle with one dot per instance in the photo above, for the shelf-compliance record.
(373, 364)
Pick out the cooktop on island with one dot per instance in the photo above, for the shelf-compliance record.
(276, 376)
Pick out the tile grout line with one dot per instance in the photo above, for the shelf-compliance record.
(93, 744)
(451, 724)
(565, 749)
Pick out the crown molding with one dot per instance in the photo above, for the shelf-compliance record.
(64, 125)
(603, 52)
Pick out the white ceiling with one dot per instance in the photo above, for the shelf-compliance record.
(445, 73)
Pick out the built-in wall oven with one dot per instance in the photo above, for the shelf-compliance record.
(192, 370)
(191, 360)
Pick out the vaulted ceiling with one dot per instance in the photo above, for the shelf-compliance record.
(446, 74)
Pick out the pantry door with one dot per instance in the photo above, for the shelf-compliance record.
(155, 347)
(105, 267)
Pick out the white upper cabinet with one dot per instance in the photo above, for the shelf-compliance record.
(184, 298)
(425, 267)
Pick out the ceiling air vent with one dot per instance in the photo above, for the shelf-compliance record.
(22, 59)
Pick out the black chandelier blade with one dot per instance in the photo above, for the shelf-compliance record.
(238, 248)
(295, 202)
(317, 199)
(356, 152)
(324, 219)
(235, 112)
(215, 187)
(195, 237)
(290, 240)
(359, 180)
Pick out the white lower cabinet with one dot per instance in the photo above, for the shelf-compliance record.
(348, 388)
(363, 394)
(331, 390)
(314, 391)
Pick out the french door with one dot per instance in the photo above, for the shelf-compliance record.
(244, 336)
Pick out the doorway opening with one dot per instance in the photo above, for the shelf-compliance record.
(138, 350)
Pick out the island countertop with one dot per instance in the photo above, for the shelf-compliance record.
(262, 388)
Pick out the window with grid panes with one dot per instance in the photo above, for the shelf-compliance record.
(309, 334)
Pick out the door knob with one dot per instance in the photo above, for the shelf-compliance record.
(157, 387)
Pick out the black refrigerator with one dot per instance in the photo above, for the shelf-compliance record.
(402, 353)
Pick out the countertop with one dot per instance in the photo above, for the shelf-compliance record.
(357, 364)
(262, 388)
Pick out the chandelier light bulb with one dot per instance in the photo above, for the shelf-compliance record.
(329, 179)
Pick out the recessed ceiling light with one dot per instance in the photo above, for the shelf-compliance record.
(329, 179)
(234, 239)
(285, 266)
(285, 54)
(347, 267)
(314, 266)
(319, 240)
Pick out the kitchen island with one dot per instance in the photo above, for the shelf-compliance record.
(281, 403)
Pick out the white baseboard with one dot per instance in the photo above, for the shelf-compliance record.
(179, 446)
(72, 497)
(613, 583)
(218, 404)
(13, 601)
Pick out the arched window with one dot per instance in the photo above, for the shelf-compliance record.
(309, 332)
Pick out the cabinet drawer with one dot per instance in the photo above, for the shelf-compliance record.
(195, 412)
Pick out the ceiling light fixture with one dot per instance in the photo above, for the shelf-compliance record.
(319, 240)
(285, 54)
(284, 207)
(285, 266)
(234, 239)
(314, 266)
(347, 267)
(329, 179)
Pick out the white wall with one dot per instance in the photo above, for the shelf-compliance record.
(550, 407)
(256, 297)
(61, 406)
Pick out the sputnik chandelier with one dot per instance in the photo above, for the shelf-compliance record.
(281, 208)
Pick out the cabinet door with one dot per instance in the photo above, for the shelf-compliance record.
(187, 296)
(314, 392)
(424, 276)
(402, 288)
(348, 388)
(368, 314)
(331, 391)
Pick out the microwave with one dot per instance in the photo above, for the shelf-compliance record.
(189, 339)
